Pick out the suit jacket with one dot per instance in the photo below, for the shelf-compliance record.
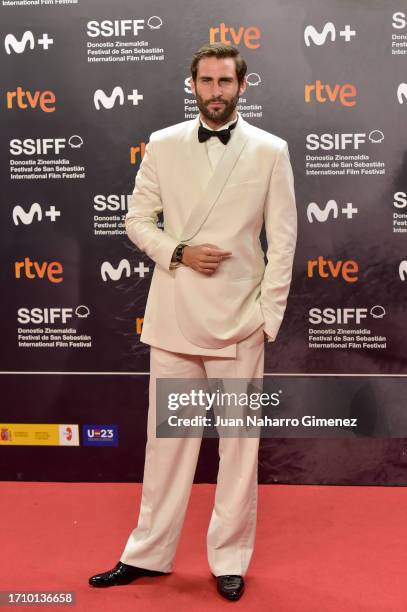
(253, 183)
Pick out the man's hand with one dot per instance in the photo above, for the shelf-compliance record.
(204, 258)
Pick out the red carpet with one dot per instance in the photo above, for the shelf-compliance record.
(319, 549)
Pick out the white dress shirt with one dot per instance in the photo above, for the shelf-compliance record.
(215, 147)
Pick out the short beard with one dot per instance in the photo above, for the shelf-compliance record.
(221, 116)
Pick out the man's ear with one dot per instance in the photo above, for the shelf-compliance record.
(242, 86)
(192, 85)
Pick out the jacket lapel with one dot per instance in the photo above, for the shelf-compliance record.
(211, 185)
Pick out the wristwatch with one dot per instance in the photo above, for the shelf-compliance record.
(179, 252)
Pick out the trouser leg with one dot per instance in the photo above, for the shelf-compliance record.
(169, 469)
(232, 528)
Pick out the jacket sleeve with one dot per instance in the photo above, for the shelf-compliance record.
(280, 219)
(144, 207)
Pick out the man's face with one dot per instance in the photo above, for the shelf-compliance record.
(217, 89)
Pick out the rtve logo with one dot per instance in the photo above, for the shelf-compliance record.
(31, 270)
(400, 199)
(326, 268)
(12, 43)
(341, 142)
(100, 98)
(35, 212)
(19, 98)
(331, 209)
(345, 94)
(137, 153)
(139, 325)
(121, 27)
(228, 35)
(108, 271)
(42, 146)
(111, 202)
(311, 34)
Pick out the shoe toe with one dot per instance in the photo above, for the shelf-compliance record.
(230, 586)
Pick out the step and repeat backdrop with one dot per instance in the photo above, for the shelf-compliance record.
(83, 83)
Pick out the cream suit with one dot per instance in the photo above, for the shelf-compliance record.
(252, 183)
(209, 326)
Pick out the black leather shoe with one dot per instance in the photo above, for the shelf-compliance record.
(121, 574)
(230, 586)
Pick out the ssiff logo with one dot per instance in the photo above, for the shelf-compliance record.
(12, 43)
(111, 202)
(43, 146)
(100, 435)
(311, 34)
(342, 141)
(51, 315)
(121, 27)
(342, 316)
(249, 36)
(400, 199)
(399, 20)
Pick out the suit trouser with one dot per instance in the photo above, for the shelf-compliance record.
(170, 465)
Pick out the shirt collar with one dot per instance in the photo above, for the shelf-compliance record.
(222, 127)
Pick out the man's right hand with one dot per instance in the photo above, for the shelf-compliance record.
(204, 258)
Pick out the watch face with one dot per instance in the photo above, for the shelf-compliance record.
(180, 250)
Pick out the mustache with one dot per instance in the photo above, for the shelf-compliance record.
(216, 100)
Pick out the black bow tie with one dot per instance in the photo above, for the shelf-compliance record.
(223, 135)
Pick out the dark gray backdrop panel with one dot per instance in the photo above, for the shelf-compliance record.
(98, 390)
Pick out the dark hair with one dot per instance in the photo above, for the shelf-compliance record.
(219, 50)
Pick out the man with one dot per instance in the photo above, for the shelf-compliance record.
(212, 299)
